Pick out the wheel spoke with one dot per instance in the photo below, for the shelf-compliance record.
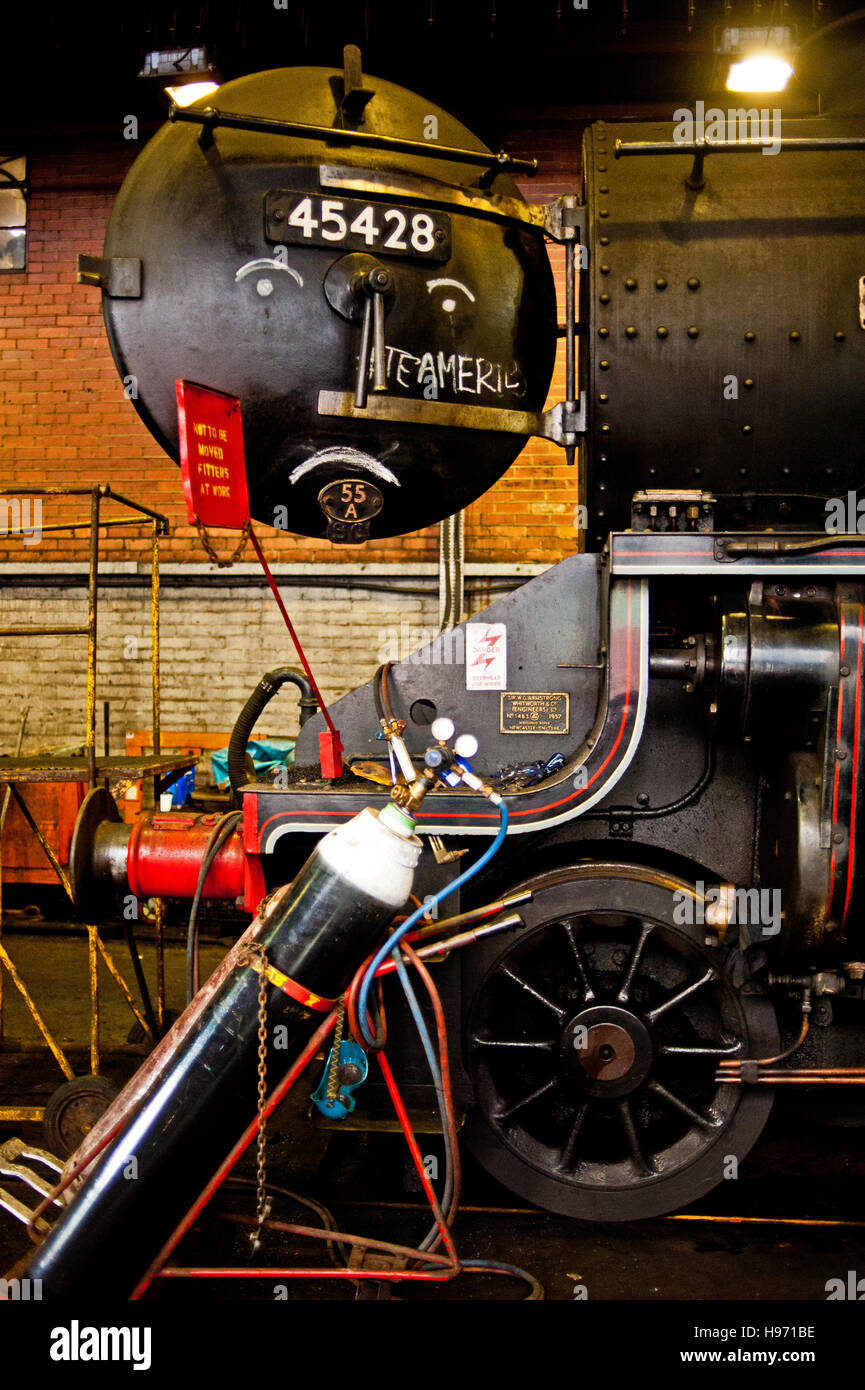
(543, 1044)
(633, 1139)
(527, 1099)
(536, 994)
(566, 1158)
(704, 1121)
(671, 1003)
(579, 962)
(639, 946)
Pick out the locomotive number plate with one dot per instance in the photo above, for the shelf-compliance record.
(347, 224)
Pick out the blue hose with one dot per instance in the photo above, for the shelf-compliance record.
(411, 998)
(419, 1021)
(411, 921)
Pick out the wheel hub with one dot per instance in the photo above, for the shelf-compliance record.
(607, 1050)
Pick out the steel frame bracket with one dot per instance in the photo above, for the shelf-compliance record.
(558, 424)
(563, 220)
(117, 276)
(620, 822)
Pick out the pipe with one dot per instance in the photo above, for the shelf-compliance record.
(164, 853)
(261, 696)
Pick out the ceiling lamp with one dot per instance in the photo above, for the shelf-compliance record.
(759, 59)
(185, 74)
(760, 73)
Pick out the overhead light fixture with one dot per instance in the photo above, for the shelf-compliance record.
(759, 73)
(184, 74)
(186, 95)
(759, 59)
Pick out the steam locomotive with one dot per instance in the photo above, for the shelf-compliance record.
(673, 716)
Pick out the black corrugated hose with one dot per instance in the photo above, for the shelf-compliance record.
(261, 696)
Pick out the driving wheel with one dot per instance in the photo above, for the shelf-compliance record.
(592, 1041)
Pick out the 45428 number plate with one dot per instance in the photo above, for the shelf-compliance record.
(348, 224)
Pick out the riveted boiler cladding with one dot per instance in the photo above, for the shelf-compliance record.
(674, 743)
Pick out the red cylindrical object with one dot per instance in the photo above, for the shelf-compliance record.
(165, 854)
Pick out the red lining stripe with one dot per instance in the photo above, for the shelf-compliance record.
(854, 794)
(837, 772)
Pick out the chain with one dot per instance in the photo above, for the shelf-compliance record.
(262, 1206)
(333, 1072)
(211, 553)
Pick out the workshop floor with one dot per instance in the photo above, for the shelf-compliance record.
(794, 1219)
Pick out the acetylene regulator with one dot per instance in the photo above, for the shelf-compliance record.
(347, 1066)
(158, 1145)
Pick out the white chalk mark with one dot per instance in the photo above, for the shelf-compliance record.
(355, 458)
(262, 263)
(457, 284)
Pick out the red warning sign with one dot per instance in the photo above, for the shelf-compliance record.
(211, 456)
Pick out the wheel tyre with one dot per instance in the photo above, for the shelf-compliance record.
(73, 1110)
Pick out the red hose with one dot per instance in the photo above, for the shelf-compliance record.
(282, 1090)
(445, 1068)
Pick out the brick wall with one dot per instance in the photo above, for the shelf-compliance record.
(215, 643)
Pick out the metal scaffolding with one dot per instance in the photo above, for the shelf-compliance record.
(87, 767)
